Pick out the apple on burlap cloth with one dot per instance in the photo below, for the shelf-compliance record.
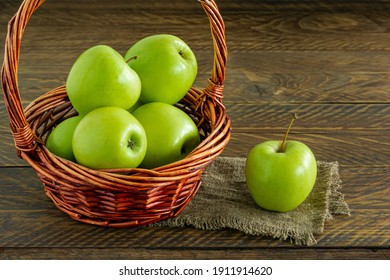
(224, 201)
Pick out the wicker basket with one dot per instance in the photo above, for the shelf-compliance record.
(122, 197)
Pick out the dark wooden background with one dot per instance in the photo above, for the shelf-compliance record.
(329, 61)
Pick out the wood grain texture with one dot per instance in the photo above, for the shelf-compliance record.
(283, 38)
(200, 254)
(329, 61)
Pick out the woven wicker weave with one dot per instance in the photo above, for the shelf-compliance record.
(123, 197)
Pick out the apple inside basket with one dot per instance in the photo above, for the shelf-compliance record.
(127, 116)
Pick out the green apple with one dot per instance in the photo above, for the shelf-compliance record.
(109, 137)
(166, 65)
(170, 132)
(280, 174)
(59, 141)
(100, 77)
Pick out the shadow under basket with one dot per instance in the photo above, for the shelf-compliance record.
(121, 197)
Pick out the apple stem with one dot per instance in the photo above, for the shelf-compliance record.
(131, 58)
(282, 146)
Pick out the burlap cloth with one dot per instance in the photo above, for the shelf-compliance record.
(223, 201)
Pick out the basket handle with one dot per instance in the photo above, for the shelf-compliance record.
(215, 85)
(24, 137)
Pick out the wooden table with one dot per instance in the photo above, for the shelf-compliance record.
(329, 62)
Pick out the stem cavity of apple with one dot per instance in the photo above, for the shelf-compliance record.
(131, 58)
(130, 144)
(282, 146)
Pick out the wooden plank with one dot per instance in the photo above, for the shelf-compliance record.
(231, 5)
(305, 77)
(52, 229)
(318, 117)
(325, 31)
(254, 26)
(194, 254)
(297, 77)
(333, 131)
(29, 219)
(296, 83)
(349, 149)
